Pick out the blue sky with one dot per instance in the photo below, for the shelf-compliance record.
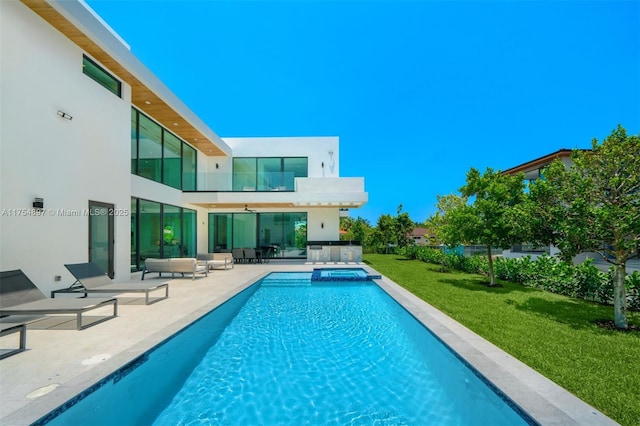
(418, 91)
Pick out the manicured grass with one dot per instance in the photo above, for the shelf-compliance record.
(553, 334)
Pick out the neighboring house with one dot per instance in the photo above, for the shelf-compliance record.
(532, 170)
(421, 237)
(101, 162)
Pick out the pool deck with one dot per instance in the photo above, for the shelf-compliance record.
(60, 362)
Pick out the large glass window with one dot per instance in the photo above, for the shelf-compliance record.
(134, 141)
(267, 174)
(244, 230)
(294, 227)
(172, 161)
(101, 76)
(189, 231)
(172, 232)
(283, 234)
(220, 226)
(244, 174)
(134, 234)
(159, 155)
(149, 231)
(188, 168)
(271, 232)
(293, 168)
(161, 231)
(149, 149)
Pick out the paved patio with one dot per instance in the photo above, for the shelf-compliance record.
(60, 361)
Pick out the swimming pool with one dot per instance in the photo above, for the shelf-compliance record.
(286, 351)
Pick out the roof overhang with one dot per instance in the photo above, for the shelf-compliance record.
(271, 200)
(538, 163)
(82, 26)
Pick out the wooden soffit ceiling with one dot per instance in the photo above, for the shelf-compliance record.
(141, 96)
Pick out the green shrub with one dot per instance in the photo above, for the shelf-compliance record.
(584, 281)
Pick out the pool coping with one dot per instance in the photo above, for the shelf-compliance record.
(42, 407)
(542, 399)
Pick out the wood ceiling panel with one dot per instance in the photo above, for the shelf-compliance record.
(141, 96)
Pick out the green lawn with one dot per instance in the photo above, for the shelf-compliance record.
(553, 334)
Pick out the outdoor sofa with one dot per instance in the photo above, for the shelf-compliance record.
(216, 260)
(175, 265)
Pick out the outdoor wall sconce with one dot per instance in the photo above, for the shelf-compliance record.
(65, 115)
(38, 203)
(217, 165)
(323, 164)
(322, 225)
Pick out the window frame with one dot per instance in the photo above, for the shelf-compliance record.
(117, 91)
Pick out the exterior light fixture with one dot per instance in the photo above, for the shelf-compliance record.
(65, 115)
(322, 225)
(323, 164)
(217, 165)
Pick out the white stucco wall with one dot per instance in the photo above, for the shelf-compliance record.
(316, 149)
(66, 162)
(330, 218)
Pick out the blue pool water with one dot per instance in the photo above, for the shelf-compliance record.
(291, 351)
(341, 274)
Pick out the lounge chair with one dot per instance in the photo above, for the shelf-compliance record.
(91, 279)
(21, 329)
(19, 296)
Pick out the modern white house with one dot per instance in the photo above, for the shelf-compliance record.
(101, 162)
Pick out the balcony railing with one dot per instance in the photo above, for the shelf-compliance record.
(238, 182)
(217, 189)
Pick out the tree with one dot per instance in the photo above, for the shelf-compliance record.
(356, 229)
(346, 223)
(360, 229)
(449, 221)
(403, 228)
(385, 230)
(594, 206)
(490, 218)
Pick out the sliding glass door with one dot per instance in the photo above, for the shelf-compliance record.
(161, 231)
(101, 236)
(284, 234)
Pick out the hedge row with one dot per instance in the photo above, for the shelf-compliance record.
(583, 281)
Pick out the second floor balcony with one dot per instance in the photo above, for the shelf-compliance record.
(276, 190)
